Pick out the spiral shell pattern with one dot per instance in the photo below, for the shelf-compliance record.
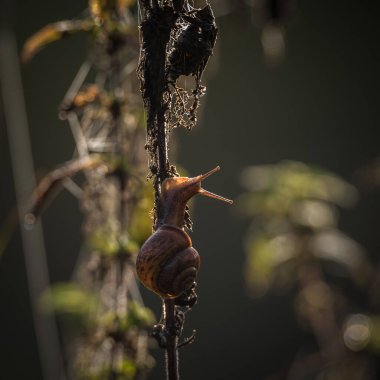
(167, 263)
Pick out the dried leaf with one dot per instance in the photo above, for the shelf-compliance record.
(53, 181)
(51, 33)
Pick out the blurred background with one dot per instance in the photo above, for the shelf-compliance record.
(304, 88)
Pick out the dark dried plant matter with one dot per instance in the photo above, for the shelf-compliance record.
(177, 40)
(295, 248)
(105, 114)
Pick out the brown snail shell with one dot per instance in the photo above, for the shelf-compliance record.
(174, 269)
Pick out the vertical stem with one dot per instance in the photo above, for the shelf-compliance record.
(156, 29)
(23, 172)
(163, 160)
(172, 340)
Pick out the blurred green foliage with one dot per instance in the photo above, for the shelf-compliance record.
(295, 217)
(294, 247)
(70, 301)
(79, 307)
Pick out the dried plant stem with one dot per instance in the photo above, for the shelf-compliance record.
(156, 29)
(168, 31)
(172, 371)
(52, 181)
(154, 85)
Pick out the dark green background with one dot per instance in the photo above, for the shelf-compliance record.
(320, 106)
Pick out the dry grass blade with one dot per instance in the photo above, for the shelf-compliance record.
(52, 181)
(51, 33)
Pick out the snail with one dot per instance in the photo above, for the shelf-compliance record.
(167, 263)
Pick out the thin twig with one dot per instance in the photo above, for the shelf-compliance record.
(77, 83)
(52, 181)
(79, 138)
(172, 371)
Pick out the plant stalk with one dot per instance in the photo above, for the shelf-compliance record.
(172, 371)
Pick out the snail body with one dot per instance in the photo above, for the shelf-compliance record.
(167, 263)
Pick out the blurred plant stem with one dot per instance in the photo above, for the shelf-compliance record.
(23, 174)
(321, 315)
(103, 304)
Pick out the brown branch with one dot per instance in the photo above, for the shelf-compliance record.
(53, 181)
(51, 33)
(171, 330)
